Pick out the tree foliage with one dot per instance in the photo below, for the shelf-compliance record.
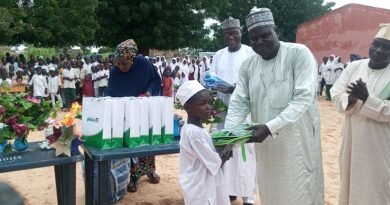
(288, 14)
(49, 22)
(11, 23)
(162, 24)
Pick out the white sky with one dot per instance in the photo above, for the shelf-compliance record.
(375, 3)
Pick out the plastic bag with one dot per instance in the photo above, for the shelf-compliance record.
(226, 139)
(211, 80)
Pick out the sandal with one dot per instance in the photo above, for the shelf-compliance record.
(154, 178)
(133, 185)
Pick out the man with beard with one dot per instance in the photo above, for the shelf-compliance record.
(278, 88)
(240, 175)
(362, 93)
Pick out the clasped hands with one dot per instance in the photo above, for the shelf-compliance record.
(357, 91)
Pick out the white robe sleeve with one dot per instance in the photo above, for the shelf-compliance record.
(32, 80)
(45, 83)
(304, 92)
(339, 93)
(205, 154)
(213, 68)
(376, 109)
(239, 102)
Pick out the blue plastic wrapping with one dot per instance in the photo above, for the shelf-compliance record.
(211, 80)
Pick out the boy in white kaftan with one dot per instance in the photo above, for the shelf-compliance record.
(200, 168)
(39, 83)
(201, 176)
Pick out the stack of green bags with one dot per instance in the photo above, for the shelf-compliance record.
(224, 140)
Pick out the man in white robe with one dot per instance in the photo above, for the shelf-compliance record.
(339, 67)
(362, 93)
(321, 72)
(278, 87)
(329, 75)
(240, 174)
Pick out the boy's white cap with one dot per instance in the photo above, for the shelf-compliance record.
(51, 68)
(187, 90)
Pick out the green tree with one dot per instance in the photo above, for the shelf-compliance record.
(60, 23)
(288, 14)
(48, 22)
(11, 22)
(164, 24)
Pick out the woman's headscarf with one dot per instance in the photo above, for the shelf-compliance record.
(205, 63)
(184, 67)
(174, 64)
(127, 49)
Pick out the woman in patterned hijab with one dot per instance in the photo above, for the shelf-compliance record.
(134, 76)
(124, 54)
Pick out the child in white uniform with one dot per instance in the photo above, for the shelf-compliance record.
(201, 176)
(39, 83)
(54, 85)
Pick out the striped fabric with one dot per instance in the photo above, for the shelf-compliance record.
(118, 178)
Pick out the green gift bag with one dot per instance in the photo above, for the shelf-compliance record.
(155, 119)
(145, 127)
(167, 120)
(96, 122)
(132, 125)
(118, 121)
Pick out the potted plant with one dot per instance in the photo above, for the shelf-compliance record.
(63, 139)
(20, 114)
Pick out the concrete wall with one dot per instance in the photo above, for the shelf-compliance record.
(346, 30)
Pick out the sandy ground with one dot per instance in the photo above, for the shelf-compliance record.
(37, 186)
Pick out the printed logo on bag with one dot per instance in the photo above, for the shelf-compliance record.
(90, 119)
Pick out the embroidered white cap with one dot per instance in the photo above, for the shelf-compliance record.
(259, 17)
(384, 31)
(230, 23)
(187, 90)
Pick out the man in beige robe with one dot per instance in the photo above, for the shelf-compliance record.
(362, 93)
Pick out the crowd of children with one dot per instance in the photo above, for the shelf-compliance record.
(175, 73)
(65, 79)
